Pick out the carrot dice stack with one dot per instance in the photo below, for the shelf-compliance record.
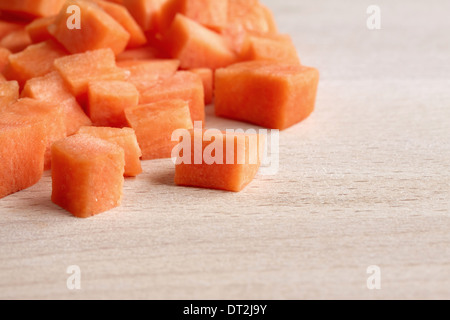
(89, 88)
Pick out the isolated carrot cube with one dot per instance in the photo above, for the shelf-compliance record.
(35, 61)
(154, 124)
(33, 8)
(108, 100)
(124, 138)
(231, 167)
(98, 30)
(52, 89)
(144, 73)
(87, 175)
(21, 153)
(196, 46)
(9, 93)
(78, 70)
(207, 77)
(273, 95)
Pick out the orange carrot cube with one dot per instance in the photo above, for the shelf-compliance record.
(207, 77)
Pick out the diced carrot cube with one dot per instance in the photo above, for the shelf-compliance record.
(209, 13)
(50, 115)
(124, 138)
(22, 151)
(32, 8)
(16, 41)
(207, 77)
(98, 30)
(144, 73)
(87, 175)
(183, 85)
(35, 61)
(79, 69)
(108, 100)
(9, 93)
(146, 13)
(154, 124)
(268, 94)
(52, 89)
(38, 29)
(122, 16)
(269, 47)
(216, 160)
(196, 46)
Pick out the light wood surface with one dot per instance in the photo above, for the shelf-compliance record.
(364, 181)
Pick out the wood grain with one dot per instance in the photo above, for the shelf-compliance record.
(364, 181)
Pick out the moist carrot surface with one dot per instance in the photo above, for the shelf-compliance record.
(38, 29)
(16, 40)
(35, 61)
(124, 138)
(196, 46)
(32, 8)
(207, 77)
(9, 93)
(273, 95)
(108, 101)
(183, 85)
(87, 175)
(146, 13)
(78, 70)
(154, 124)
(98, 30)
(52, 89)
(219, 160)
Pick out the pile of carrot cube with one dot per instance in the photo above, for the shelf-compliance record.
(90, 88)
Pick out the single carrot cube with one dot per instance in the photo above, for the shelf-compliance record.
(38, 29)
(16, 41)
(9, 93)
(35, 61)
(32, 8)
(207, 77)
(144, 73)
(183, 85)
(50, 115)
(87, 175)
(154, 124)
(273, 95)
(269, 47)
(108, 100)
(22, 149)
(196, 46)
(124, 138)
(122, 16)
(217, 160)
(98, 30)
(78, 70)
(209, 13)
(52, 89)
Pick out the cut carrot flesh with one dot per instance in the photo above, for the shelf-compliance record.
(4, 58)
(124, 18)
(32, 8)
(207, 77)
(142, 53)
(196, 46)
(87, 175)
(78, 70)
(154, 124)
(268, 94)
(6, 27)
(124, 138)
(97, 29)
(38, 29)
(9, 93)
(108, 100)
(52, 89)
(146, 13)
(144, 73)
(16, 41)
(35, 61)
(218, 160)
(183, 85)
(51, 117)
